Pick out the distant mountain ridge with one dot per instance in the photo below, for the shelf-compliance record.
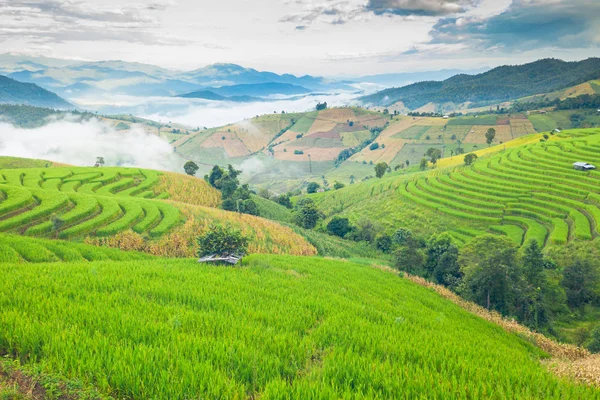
(499, 84)
(14, 92)
(75, 79)
(247, 92)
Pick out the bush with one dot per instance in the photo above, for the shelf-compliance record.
(222, 240)
(339, 226)
(297, 152)
(338, 185)
(384, 243)
(374, 146)
(312, 187)
(470, 158)
(594, 345)
(402, 236)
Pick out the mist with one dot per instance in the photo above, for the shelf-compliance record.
(207, 113)
(79, 143)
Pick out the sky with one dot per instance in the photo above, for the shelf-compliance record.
(326, 38)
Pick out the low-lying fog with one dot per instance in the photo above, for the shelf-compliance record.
(80, 143)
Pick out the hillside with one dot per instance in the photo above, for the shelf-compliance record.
(14, 92)
(299, 327)
(494, 86)
(126, 208)
(526, 192)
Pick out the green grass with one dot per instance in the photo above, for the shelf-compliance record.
(479, 120)
(280, 327)
(413, 132)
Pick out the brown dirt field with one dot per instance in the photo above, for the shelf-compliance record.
(344, 127)
(321, 125)
(330, 135)
(477, 134)
(387, 154)
(397, 127)
(430, 121)
(338, 115)
(371, 120)
(289, 136)
(428, 108)
(503, 121)
(521, 127)
(316, 153)
(232, 144)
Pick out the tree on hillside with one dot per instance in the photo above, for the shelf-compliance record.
(470, 158)
(321, 106)
(402, 236)
(339, 226)
(99, 161)
(490, 135)
(307, 214)
(434, 154)
(191, 168)
(380, 169)
(284, 200)
(423, 164)
(221, 239)
(312, 187)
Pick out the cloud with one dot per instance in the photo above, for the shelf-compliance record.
(524, 25)
(80, 143)
(332, 12)
(420, 7)
(52, 21)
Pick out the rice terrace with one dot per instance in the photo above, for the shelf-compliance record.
(358, 199)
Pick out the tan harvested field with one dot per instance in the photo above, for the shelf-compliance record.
(427, 108)
(387, 154)
(477, 134)
(338, 115)
(521, 127)
(321, 125)
(231, 144)
(371, 120)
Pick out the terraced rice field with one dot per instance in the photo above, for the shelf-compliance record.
(528, 193)
(70, 203)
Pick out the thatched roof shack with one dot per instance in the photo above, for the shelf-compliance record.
(232, 259)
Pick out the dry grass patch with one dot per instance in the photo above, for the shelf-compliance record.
(187, 189)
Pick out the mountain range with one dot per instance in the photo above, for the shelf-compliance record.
(500, 84)
(14, 92)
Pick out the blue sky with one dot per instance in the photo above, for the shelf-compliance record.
(332, 37)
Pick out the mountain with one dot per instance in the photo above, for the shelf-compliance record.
(497, 85)
(210, 95)
(14, 92)
(406, 78)
(260, 89)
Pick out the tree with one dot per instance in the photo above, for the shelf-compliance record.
(247, 206)
(321, 106)
(307, 214)
(380, 169)
(338, 185)
(384, 243)
(312, 187)
(221, 239)
(374, 146)
(339, 226)
(99, 161)
(284, 200)
(533, 264)
(490, 272)
(365, 230)
(191, 168)
(215, 174)
(402, 236)
(580, 280)
(490, 135)
(409, 259)
(423, 164)
(594, 345)
(470, 158)
(433, 154)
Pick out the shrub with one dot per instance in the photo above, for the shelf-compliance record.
(221, 239)
(470, 158)
(374, 146)
(339, 226)
(312, 187)
(594, 345)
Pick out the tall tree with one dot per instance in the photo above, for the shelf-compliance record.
(490, 135)
(380, 169)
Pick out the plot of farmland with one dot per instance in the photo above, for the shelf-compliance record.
(316, 153)
(479, 120)
(413, 132)
(521, 127)
(477, 134)
(351, 139)
(338, 115)
(303, 124)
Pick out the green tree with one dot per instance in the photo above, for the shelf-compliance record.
(402, 236)
(191, 168)
(490, 135)
(490, 272)
(338, 185)
(221, 239)
(423, 164)
(384, 243)
(433, 154)
(339, 226)
(365, 230)
(409, 259)
(380, 169)
(284, 200)
(580, 280)
(594, 345)
(312, 187)
(469, 158)
(307, 214)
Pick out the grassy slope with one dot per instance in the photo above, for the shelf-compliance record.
(126, 208)
(17, 162)
(281, 327)
(549, 200)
